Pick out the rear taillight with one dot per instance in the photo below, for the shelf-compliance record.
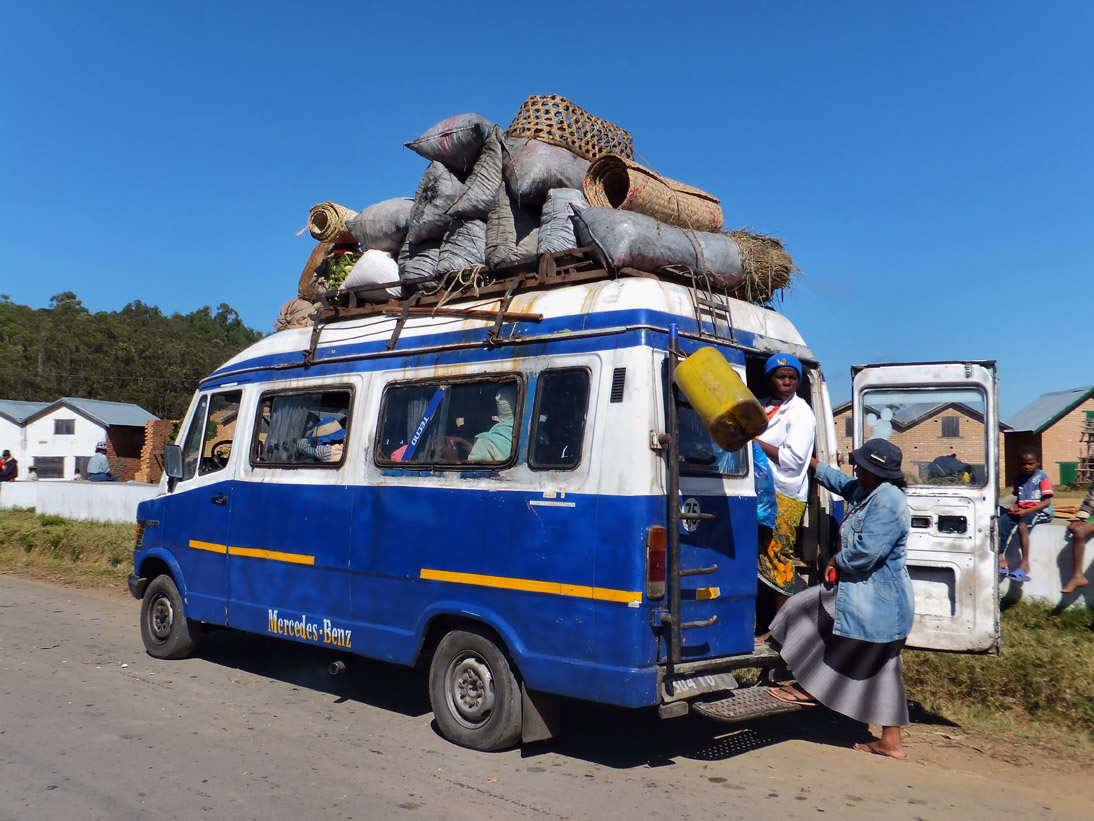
(655, 562)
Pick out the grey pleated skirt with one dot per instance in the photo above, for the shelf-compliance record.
(861, 679)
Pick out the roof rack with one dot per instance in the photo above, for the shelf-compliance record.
(548, 271)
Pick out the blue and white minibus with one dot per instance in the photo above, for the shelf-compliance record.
(506, 488)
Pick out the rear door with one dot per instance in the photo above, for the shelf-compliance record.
(943, 416)
(718, 551)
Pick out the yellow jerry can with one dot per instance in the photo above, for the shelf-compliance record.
(726, 407)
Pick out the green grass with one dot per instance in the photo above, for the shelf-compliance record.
(1040, 690)
(84, 553)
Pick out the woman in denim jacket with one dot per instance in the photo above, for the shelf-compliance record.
(843, 638)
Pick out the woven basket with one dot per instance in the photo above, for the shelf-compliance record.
(327, 222)
(618, 182)
(553, 119)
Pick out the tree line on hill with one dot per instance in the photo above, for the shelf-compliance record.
(133, 355)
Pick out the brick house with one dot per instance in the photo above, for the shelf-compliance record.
(925, 432)
(1059, 425)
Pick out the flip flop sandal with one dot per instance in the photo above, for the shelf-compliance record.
(870, 748)
(1004, 571)
(789, 697)
(1018, 575)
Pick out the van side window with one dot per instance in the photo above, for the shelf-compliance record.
(699, 454)
(558, 422)
(302, 428)
(208, 443)
(458, 424)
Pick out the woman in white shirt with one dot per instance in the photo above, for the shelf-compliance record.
(788, 444)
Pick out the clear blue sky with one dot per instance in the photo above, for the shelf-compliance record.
(928, 164)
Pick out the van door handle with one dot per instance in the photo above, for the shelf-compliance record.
(219, 499)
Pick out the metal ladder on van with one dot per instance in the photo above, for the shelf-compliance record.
(670, 443)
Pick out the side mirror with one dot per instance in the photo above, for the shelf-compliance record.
(172, 461)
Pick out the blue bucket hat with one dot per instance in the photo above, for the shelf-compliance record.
(329, 430)
(781, 360)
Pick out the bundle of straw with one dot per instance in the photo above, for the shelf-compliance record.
(327, 222)
(616, 182)
(766, 267)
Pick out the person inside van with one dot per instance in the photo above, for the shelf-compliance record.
(495, 444)
(326, 442)
(788, 445)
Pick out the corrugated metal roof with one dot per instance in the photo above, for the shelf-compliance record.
(18, 411)
(1047, 408)
(112, 413)
(105, 413)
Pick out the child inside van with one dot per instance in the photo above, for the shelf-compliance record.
(1033, 505)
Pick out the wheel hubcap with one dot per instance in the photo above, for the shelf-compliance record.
(161, 616)
(470, 688)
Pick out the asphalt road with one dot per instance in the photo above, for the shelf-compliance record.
(255, 728)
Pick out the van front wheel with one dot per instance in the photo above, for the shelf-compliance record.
(474, 694)
(166, 631)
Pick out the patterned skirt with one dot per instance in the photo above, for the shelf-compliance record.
(861, 679)
(777, 558)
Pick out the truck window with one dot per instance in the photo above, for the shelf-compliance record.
(558, 422)
(453, 424)
(298, 429)
(940, 430)
(208, 443)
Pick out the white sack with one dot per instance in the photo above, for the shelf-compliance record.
(374, 268)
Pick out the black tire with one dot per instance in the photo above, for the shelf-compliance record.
(474, 693)
(166, 631)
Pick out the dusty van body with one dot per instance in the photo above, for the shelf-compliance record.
(515, 495)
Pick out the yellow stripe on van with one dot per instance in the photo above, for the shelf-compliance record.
(532, 586)
(212, 548)
(253, 553)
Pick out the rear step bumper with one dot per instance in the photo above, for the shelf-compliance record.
(695, 678)
(743, 704)
(708, 687)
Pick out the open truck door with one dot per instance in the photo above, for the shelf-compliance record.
(944, 417)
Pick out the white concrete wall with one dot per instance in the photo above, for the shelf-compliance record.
(18, 494)
(1051, 564)
(89, 501)
(11, 438)
(42, 441)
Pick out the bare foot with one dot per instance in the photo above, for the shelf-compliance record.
(1077, 582)
(875, 748)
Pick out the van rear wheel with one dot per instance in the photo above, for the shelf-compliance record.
(474, 693)
(166, 631)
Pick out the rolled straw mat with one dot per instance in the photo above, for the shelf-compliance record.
(616, 182)
(327, 222)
